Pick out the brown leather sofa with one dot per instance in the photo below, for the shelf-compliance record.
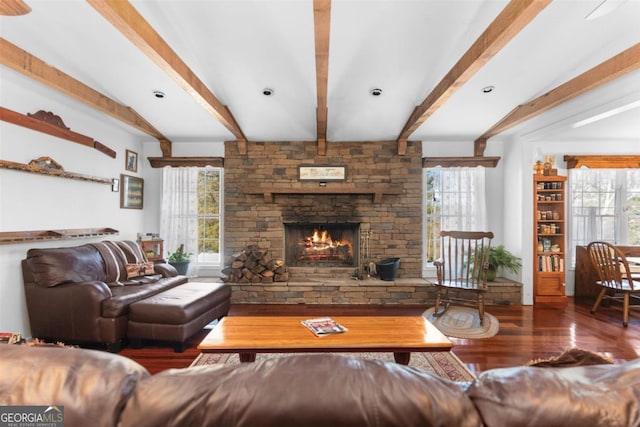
(84, 294)
(102, 389)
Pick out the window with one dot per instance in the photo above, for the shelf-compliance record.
(454, 200)
(209, 197)
(191, 212)
(604, 205)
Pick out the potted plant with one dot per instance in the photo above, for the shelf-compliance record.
(179, 259)
(500, 258)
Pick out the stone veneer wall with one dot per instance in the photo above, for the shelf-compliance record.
(396, 222)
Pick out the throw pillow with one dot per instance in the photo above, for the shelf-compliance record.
(142, 269)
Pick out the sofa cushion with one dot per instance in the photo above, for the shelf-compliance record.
(114, 262)
(602, 395)
(307, 390)
(92, 386)
(132, 251)
(55, 266)
(123, 296)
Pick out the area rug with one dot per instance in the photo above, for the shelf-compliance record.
(463, 322)
(442, 364)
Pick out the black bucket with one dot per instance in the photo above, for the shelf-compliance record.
(387, 268)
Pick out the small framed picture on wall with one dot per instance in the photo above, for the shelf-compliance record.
(131, 192)
(131, 161)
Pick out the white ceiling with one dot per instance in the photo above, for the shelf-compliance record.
(404, 47)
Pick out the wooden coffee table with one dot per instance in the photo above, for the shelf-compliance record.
(248, 335)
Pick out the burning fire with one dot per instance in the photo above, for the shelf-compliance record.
(321, 240)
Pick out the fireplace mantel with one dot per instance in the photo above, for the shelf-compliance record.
(376, 190)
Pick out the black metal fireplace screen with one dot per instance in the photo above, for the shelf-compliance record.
(321, 245)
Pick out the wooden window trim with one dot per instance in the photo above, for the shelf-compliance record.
(603, 162)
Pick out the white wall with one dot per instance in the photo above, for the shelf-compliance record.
(39, 202)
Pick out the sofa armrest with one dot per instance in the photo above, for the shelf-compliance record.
(167, 270)
(66, 312)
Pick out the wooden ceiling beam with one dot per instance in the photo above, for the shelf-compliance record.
(322, 27)
(126, 19)
(13, 8)
(615, 67)
(33, 67)
(513, 18)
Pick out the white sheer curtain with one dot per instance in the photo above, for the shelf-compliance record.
(464, 204)
(179, 214)
(455, 200)
(621, 208)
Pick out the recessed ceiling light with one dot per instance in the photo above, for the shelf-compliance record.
(267, 91)
(488, 89)
(375, 92)
(158, 94)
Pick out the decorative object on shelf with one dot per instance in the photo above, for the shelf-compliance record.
(131, 192)
(322, 173)
(46, 162)
(51, 171)
(500, 258)
(115, 185)
(51, 124)
(14, 237)
(549, 170)
(131, 161)
(180, 260)
(538, 167)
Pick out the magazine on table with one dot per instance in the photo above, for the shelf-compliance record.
(323, 326)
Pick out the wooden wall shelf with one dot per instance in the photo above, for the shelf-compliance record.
(51, 124)
(6, 164)
(160, 162)
(377, 191)
(14, 237)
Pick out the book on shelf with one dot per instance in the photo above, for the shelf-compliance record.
(323, 326)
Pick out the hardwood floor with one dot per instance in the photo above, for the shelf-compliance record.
(526, 333)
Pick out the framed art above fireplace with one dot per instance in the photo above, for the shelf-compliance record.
(322, 173)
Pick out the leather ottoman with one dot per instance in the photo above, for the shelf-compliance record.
(176, 314)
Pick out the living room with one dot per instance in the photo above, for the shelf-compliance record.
(369, 152)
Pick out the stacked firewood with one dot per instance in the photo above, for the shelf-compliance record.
(254, 265)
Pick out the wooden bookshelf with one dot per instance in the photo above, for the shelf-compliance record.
(549, 229)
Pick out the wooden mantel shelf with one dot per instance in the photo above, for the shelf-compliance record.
(376, 190)
(14, 237)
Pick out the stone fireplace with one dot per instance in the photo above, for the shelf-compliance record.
(321, 245)
(267, 204)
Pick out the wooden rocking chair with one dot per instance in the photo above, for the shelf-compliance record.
(462, 270)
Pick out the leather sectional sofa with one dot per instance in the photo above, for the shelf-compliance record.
(107, 292)
(102, 389)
